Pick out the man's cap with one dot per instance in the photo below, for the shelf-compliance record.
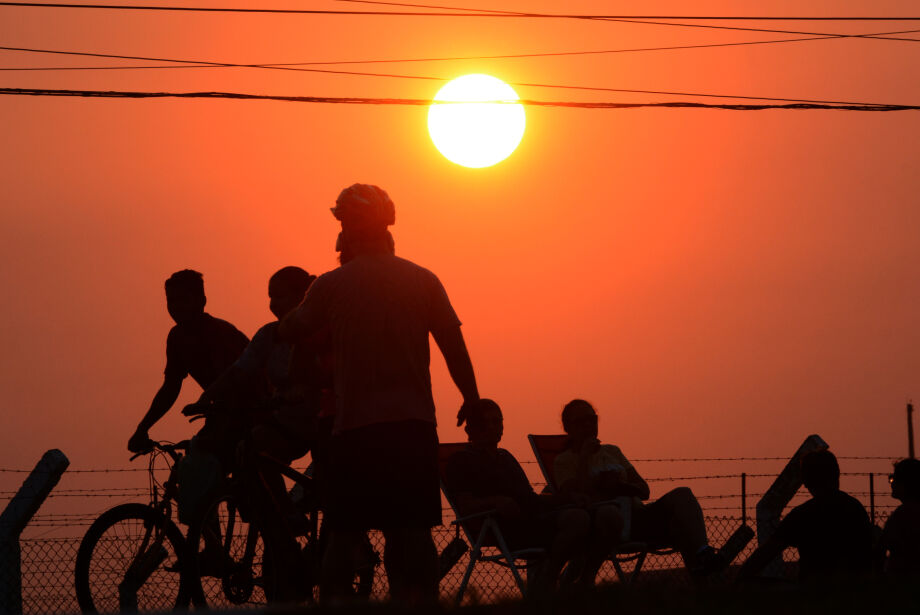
(364, 206)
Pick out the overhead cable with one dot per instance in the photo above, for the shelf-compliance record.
(193, 64)
(442, 79)
(426, 102)
(494, 14)
(645, 21)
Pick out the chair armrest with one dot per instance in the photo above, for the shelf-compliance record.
(482, 514)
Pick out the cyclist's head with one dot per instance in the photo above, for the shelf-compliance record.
(185, 298)
(484, 422)
(905, 481)
(286, 289)
(820, 472)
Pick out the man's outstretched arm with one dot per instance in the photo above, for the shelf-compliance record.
(162, 402)
(453, 347)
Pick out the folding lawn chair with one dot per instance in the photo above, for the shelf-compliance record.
(546, 449)
(482, 532)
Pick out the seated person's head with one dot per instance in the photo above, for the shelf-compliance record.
(484, 423)
(185, 298)
(286, 289)
(579, 420)
(905, 481)
(820, 472)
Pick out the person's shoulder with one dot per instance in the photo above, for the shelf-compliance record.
(219, 323)
(267, 331)
(413, 267)
(506, 456)
(612, 449)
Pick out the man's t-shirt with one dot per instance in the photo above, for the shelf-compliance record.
(901, 538)
(832, 534)
(267, 356)
(203, 349)
(379, 309)
(484, 474)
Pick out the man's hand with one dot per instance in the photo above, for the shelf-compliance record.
(140, 442)
(463, 413)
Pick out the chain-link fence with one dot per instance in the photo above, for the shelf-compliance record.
(48, 571)
(50, 543)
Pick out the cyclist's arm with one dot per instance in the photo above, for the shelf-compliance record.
(162, 402)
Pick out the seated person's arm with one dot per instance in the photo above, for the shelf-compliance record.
(633, 483)
(505, 506)
(763, 555)
(162, 402)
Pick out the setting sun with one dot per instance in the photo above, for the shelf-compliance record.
(475, 122)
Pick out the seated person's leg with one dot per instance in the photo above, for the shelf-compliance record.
(606, 534)
(674, 520)
(572, 526)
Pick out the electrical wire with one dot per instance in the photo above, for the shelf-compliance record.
(426, 102)
(442, 79)
(488, 14)
(407, 60)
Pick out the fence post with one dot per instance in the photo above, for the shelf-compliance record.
(872, 497)
(743, 498)
(14, 519)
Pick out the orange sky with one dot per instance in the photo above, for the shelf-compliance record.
(717, 283)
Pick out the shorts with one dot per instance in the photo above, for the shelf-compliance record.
(383, 476)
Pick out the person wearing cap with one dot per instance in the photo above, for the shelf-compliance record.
(383, 474)
(901, 536)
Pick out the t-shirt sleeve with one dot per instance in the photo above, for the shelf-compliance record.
(256, 353)
(441, 313)
(564, 468)
(521, 485)
(310, 316)
(176, 361)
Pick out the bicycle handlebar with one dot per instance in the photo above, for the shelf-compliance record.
(166, 447)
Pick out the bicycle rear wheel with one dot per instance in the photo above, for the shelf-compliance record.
(130, 560)
(227, 561)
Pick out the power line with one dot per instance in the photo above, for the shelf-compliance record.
(408, 60)
(493, 14)
(644, 21)
(431, 78)
(426, 102)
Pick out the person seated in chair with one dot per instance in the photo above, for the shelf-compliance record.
(901, 536)
(602, 472)
(486, 477)
(831, 531)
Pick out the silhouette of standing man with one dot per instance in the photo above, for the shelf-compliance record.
(199, 345)
(383, 471)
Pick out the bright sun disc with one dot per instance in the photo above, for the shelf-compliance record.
(475, 122)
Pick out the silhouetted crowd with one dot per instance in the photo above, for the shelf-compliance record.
(343, 373)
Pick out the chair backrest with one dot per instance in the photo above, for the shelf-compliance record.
(546, 449)
(445, 451)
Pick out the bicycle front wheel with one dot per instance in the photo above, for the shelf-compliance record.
(130, 561)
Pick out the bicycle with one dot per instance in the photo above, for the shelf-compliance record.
(131, 557)
(247, 568)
